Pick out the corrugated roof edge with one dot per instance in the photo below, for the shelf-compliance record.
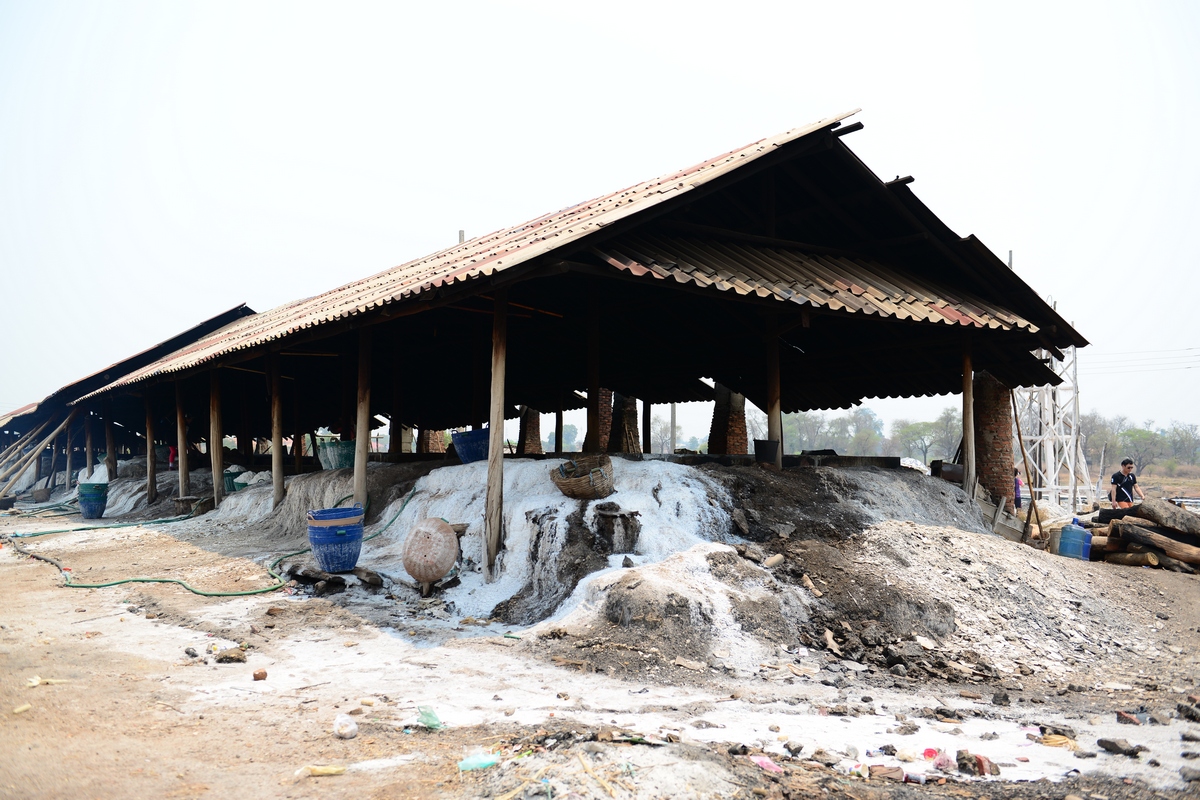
(483, 256)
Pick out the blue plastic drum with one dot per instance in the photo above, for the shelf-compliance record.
(336, 535)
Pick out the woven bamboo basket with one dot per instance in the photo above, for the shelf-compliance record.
(585, 478)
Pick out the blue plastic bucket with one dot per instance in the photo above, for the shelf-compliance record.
(93, 498)
(1073, 541)
(471, 445)
(335, 535)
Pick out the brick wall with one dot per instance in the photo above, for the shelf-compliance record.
(624, 436)
(727, 435)
(431, 441)
(993, 437)
(606, 411)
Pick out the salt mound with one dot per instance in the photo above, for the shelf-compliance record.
(552, 541)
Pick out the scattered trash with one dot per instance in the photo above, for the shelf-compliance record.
(344, 727)
(688, 664)
(478, 760)
(22, 709)
(36, 681)
(260, 674)
(317, 772)
(766, 763)
(973, 764)
(808, 584)
(774, 561)
(190, 652)
(890, 773)
(427, 717)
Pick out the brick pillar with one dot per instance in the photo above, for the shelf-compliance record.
(727, 436)
(529, 441)
(623, 436)
(606, 411)
(993, 437)
(431, 441)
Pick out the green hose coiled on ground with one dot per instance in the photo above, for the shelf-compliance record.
(279, 581)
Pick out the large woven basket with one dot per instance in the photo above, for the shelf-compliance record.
(585, 478)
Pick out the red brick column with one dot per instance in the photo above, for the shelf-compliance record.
(993, 437)
(727, 436)
(431, 441)
(529, 442)
(606, 412)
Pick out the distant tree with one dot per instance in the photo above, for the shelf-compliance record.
(660, 434)
(1143, 446)
(756, 423)
(914, 438)
(947, 434)
(866, 432)
(1184, 441)
(570, 434)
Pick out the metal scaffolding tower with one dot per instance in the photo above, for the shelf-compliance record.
(1049, 425)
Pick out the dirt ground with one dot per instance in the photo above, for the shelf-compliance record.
(138, 716)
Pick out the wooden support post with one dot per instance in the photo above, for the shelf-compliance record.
(362, 426)
(276, 430)
(110, 442)
(968, 422)
(216, 436)
(15, 472)
(647, 428)
(298, 436)
(493, 521)
(87, 443)
(558, 428)
(53, 461)
(67, 487)
(774, 407)
(151, 461)
(591, 440)
(181, 444)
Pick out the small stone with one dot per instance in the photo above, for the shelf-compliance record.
(1162, 615)
(1154, 762)
(970, 695)
(794, 748)
(274, 611)
(1001, 699)
(233, 654)
(1075, 687)
(1189, 774)
(774, 561)
(190, 652)
(738, 750)
(1189, 736)
(688, 664)
(563, 696)
(774, 729)
(1189, 755)
(355, 712)
(907, 728)
(1121, 747)
(824, 758)
(898, 669)
(260, 674)
(627, 562)
(1084, 754)
(1159, 719)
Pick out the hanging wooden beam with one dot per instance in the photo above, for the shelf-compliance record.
(968, 421)
(493, 523)
(181, 444)
(774, 407)
(110, 442)
(276, 430)
(216, 436)
(151, 461)
(362, 426)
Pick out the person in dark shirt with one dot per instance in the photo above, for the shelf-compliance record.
(1124, 485)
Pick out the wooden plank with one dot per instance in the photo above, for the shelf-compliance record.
(968, 417)
(493, 524)
(14, 450)
(181, 444)
(69, 459)
(216, 434)
(151, 461)
(362, 426)
(276, 430)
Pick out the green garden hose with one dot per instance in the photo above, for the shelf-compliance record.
(279, 581)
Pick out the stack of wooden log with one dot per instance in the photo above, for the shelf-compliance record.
(1155, 533)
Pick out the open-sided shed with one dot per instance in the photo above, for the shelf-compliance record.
(785, 270)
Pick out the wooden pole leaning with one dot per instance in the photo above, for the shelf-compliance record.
(151, 461)
(15, 467)
(774, 407)
(493, 521)
(276, 431)
(216, 436)
(19, 469)
(67, 486)
(181, 444)
(968, 421)
(14, 450)
(362, 426)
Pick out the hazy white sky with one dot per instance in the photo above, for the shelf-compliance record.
(162, 162)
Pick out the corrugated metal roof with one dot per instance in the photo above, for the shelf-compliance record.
(838, 282)
(28, 408)
(482, 256)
